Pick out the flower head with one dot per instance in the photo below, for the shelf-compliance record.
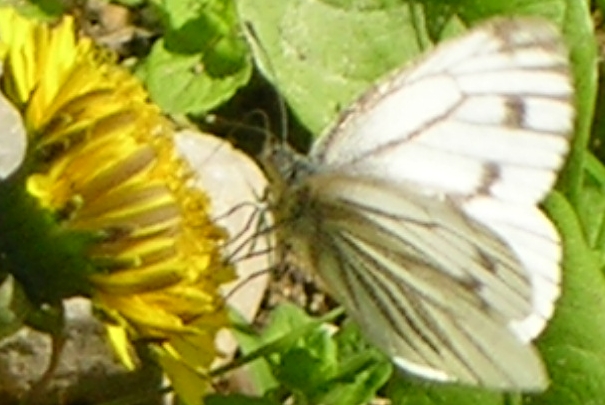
(102, 205)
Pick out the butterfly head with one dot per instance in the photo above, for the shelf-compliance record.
(283, 166)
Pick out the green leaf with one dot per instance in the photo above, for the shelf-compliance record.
(591, 204)
(362, 370)
(478, 10)
(579, 35)
(407, 391)
(314, 365)
(323, 54)
(201, 61)
(318, 372)
(301, 369)
(573, 342)
(281, 333)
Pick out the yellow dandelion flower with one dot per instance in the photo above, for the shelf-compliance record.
(102, 206)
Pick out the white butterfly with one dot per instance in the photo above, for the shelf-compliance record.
(418, 209)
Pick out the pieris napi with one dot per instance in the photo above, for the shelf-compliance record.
(418, 209)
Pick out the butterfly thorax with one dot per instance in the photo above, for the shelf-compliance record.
(290, 197)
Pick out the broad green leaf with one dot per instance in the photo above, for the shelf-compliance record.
(477, 10)
(201, 61)
(578, 32)
(408, 391)
(317, 372)
(358, 388)
(284, 319)
(572, 345)
(305, 366)
(362, 369)
(316, 366)
(323, 54)
(591, 205)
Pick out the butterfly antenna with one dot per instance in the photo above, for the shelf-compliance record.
(269, 70)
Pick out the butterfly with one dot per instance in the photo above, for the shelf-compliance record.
(418, 209)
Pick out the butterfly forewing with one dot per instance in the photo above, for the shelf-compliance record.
(490, 109)
(418, 210)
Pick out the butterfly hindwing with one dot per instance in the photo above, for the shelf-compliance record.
(429, 286)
